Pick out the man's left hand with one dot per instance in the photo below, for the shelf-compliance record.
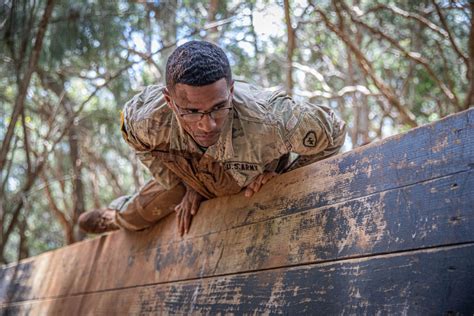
(255, 186)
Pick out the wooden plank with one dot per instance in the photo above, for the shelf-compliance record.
(423, 282)
(413, 217)
(437, 212)
(346, 180)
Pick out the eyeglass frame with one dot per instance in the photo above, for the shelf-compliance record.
(210, 113)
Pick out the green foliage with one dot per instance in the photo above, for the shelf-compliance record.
(98, 54)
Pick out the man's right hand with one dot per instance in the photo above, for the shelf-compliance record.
(188, 207)
(258, 182)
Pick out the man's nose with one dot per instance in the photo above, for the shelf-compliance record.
(207, 123)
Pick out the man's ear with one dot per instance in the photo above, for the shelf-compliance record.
(167, 96)
(232, 87)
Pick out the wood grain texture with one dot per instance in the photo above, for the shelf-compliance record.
(412, 217)
(400, 283)
(405, 193)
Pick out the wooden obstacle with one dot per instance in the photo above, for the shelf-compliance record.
(386, 228)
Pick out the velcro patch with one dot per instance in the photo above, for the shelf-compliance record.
(310, 139)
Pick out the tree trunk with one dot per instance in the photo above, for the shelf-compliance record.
(470, 95)
(212, 33)
(291, 41)
(259, 57)
(95, 189)
(23, 244)
(363, 131)
(364, 120)
(78, 186)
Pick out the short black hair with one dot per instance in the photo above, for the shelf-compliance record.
(197, 63)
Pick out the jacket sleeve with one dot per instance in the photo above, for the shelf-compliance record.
(136, 134)
(313, 132)
(165, 177)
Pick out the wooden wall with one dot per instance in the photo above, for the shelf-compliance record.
(386, 228)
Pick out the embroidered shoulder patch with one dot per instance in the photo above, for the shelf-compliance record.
(310, 139)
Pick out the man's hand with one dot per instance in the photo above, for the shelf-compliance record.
(188, 207)
(255, 186)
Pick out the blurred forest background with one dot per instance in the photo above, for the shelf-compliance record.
(67, 67)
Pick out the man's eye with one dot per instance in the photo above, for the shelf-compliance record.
(191, 111)
(217, 108)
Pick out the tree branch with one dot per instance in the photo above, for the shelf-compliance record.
(407, 116)
(416, 57)
(300, 18)
(410, 15)
(9, 166)
(40, 162)
(26, 141)
(341, 93)
(451, 38)
(60, 216)
(470, 95)
(315, 73)
(117, 188)
(25, 82)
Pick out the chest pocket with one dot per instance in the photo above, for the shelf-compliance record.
(203, 174)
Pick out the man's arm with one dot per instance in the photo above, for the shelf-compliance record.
(136, 134)
(310, 131)
(189, 205)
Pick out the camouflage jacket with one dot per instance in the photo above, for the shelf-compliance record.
(266, 132)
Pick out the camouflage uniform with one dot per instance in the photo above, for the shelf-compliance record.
(268, 131)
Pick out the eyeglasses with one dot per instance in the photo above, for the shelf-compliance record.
(196, 116)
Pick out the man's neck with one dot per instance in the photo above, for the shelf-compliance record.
(203, 149)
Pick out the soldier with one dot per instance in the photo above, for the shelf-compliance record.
(204, 135)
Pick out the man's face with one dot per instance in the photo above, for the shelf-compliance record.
(191, 100)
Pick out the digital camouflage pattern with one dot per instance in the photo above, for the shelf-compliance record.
(268, 130)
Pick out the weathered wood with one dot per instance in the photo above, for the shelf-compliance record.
(408, 192)
(385, 222)
(436, 281)
(412, 217)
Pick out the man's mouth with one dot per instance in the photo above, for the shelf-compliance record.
(206, 139)
(207, 136)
